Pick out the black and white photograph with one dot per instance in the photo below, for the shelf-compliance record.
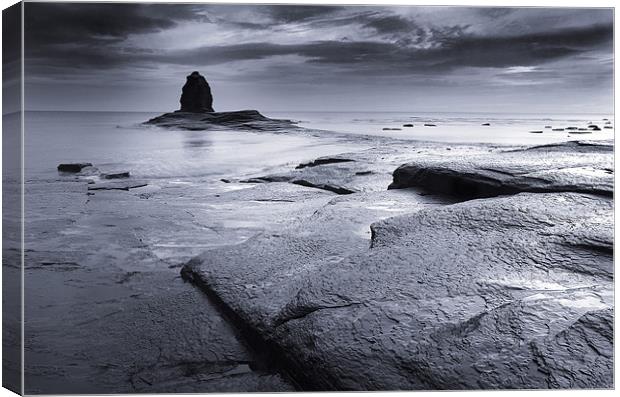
(240, 198)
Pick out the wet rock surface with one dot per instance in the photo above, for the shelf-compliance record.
(579, 166)
(248, 120)
(145, 330)
(479, 294)
(364, 171)
(494, 293)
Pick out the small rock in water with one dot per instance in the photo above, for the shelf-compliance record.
(391, 129)
(73, 167)
(117, 185)
(608, 127)
(430, 125)
(571, 128)
(547, 126)
(608, 122)
(486, 124)
(407, 125)
(558, 129)
(225, 180)
(116, 175)
(536, 132)
(324, 161)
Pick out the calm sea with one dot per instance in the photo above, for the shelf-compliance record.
(118, 141)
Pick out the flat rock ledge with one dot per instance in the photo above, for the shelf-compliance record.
(498, 293)
(241, 120)
(579, 166)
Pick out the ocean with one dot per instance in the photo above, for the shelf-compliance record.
(117, 140)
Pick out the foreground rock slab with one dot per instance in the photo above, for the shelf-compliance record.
(510, 292)
(579, 166)
(240, 120)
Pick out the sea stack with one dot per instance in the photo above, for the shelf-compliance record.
(196, 96)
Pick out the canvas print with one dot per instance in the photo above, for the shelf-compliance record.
(281, 198)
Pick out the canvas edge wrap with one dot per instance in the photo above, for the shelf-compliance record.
(12, 198)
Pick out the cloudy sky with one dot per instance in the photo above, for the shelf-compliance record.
(279, 58)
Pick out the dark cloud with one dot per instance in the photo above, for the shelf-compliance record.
(298, 13)
(75, 23)
(456, 50)
(495, 12)
(521, 50)
(390, 24)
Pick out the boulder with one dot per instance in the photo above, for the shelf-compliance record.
(196, 96)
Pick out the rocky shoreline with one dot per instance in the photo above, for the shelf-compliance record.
(316, 276)
(389, 265)
(474, 271)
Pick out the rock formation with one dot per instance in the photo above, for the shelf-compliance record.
(196, 96)
(197, 114)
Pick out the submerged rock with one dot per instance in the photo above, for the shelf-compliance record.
(322, 161)
(510, 292)
(577, 166)
(196, 96)
(120, 185)
(115, 175)
(344, 174)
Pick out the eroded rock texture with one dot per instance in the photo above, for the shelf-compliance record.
(510, 292)
(579, 166)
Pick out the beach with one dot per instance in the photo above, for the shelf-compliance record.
(275, 260)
